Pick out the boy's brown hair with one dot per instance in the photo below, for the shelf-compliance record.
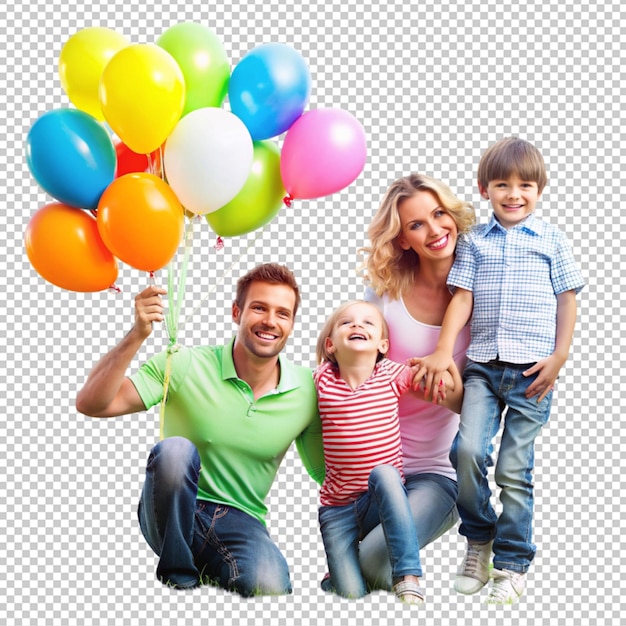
(509, 156)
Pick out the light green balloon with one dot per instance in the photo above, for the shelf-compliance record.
(203, 62)
(260, 199)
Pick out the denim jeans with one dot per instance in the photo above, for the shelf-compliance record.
(342, 528)
(432, 499)
(490, 388)
(199, 541)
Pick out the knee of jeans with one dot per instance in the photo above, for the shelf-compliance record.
(468, 453)
(272, 579)
(383, 474)
(510, 474)
(175, 457)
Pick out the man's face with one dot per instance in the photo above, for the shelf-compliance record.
(266, 319)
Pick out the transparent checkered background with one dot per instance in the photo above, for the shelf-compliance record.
(433, 84)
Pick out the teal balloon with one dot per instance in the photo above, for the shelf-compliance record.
(260, 199)
(71, 156)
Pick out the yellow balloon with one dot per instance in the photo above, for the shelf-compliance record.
(142, 94)
(81, 63)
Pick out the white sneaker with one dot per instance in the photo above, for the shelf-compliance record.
(507, 587)
(473, 573)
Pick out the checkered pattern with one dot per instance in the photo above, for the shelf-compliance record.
(527, 264)
(433, 83)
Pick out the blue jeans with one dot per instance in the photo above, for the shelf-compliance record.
(432, 499)
(342, 528)
(489, 389)
(199, 541)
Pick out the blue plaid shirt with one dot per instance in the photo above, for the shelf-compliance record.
(515, 275)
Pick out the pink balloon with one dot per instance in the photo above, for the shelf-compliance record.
(323, 152)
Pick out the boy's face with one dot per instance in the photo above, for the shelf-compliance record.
(512, 199)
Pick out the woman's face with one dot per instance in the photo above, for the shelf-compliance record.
(427, 227)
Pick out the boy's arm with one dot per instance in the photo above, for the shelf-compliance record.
(451, 391)
(457, 315)
(548, 368)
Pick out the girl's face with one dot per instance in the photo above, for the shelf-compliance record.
(358, 329)
(427, 227)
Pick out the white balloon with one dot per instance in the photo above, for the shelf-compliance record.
(207, 159)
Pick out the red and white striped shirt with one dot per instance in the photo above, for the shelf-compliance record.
(360, 427)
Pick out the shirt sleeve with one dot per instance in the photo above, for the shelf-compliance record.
(464, 268)
(149, 380)
(401, 376)
(311, 450)
(565, 273)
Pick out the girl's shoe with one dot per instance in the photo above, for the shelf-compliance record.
(409, 592)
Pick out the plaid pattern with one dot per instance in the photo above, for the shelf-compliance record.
(514, 275)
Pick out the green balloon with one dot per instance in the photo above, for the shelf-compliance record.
(259, 200)
(203, 62)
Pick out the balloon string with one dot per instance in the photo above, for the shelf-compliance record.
(173, 314)
(174, 310)
(257, 234)
(155, 162)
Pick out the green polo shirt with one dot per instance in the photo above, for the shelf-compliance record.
(241, 441)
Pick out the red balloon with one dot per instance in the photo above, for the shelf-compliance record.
(65, 248)
(128, 161)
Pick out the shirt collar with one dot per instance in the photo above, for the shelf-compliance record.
(288, 378)
(531, 225)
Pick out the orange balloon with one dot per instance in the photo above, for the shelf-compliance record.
(65, 248)
(141, 220)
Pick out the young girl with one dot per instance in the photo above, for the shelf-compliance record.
(358, 391)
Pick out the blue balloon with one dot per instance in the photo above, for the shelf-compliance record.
(269, 89)
(71, 156)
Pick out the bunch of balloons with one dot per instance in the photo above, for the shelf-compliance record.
(149, 142)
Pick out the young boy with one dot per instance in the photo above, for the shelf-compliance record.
(517, 280)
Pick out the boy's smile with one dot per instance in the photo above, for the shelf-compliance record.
(512, 199)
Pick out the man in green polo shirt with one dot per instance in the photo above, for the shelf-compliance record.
(231, 414)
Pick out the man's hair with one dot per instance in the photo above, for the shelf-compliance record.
(512, 156)
(271, 273)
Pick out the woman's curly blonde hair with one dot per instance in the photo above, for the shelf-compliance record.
(388, 268)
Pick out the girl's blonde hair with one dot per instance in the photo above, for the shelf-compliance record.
(388, 268)
(327, 330)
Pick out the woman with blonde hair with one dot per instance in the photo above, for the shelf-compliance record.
(413, 237)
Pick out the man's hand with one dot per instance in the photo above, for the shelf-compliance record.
(148, 309)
